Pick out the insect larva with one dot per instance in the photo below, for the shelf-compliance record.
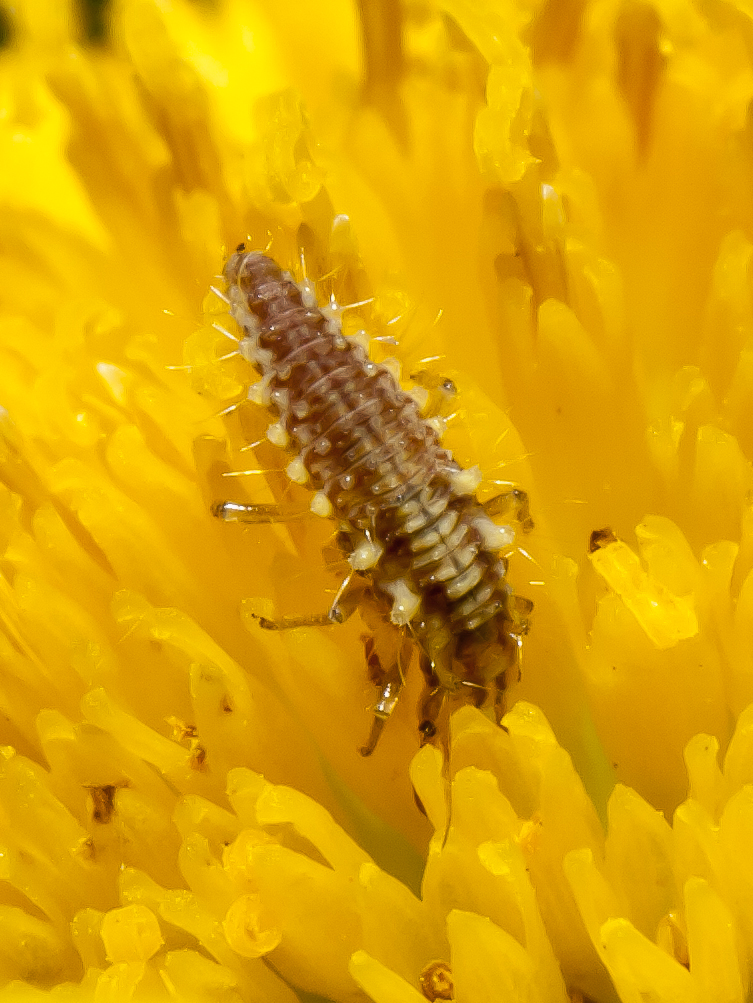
(424, 553)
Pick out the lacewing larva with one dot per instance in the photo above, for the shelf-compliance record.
(425, 555)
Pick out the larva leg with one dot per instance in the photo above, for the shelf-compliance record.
(431, 703)
(476, 693)
(389, 683)
(345, 604)
(230, 511)
(500, 686)
(434, 726)
(513, 503)
(291, 622)
(519, 609)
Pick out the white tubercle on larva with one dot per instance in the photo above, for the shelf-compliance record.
(366, 555)
(420, 395)
(465, 482)
(280, 398)
(248, 347)
(332, 314)
(277, 435)
(392, 365)
(438, 424)
(321, 505)
(406, 603)
(296, 471)
(258, 393)
(494, 537)
(360, 338)
(243, 316)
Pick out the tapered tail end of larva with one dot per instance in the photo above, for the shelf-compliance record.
(377, 727)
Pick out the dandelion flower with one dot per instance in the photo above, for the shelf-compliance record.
(544, 203)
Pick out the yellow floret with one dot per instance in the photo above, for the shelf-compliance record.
(544, 205)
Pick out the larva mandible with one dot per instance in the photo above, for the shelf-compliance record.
(424, 553)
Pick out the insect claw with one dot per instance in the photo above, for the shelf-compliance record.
(427, 730)
(377, 726)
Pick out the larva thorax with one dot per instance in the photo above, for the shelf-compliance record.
(409, 520)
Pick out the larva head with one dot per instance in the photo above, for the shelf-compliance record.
(258, 287)
(248, 269)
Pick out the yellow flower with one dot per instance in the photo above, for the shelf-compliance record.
(548, 203)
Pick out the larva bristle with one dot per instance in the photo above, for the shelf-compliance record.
(223, 331)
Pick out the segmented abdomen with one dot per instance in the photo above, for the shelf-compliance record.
(359, 441)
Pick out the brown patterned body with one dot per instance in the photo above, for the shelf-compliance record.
(409, 520)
